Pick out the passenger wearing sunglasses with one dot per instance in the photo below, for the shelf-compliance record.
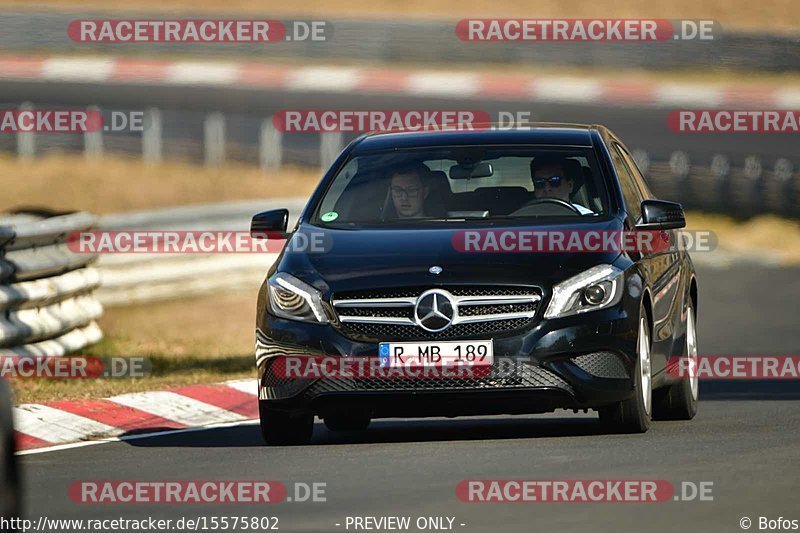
(409, 191)
(550, 180)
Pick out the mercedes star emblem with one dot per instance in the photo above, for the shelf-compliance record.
(435, 310)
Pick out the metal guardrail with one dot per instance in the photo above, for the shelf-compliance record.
(720, 187)
(47, 305)
(140, 278)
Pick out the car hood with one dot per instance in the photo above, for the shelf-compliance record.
(385, 258)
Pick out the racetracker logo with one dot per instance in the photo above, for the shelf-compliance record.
(585, 30)
(194, 242)
(581, 491)
(431, 366)
(362, 121)
(195, 31)
(579, 241)
(50, 121)
(735, 367)
(177, 492)
(734, 121)
(73, 367)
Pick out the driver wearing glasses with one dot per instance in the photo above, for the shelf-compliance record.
(550, 180)
(409, 191)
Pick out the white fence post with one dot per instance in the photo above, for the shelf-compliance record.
(214, 138)
(270, 148)
(93, 140)
(680, 165)
(152, 144)
(329, 147)
(753, 168)
(26, 140)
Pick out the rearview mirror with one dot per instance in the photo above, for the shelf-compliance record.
(659, 214)
(481, 170)
(271, 223)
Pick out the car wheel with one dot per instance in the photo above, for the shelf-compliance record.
(284, 428)
(633, 415)
(347, 422)
(679, 401)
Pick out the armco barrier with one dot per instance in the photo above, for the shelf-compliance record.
(738, 191)
(139, 278)
(47, 305)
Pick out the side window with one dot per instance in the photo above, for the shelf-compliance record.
(631, 193)
(638, 177)
(338, 187)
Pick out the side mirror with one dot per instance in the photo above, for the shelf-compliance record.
(661, 215)
(269, 223)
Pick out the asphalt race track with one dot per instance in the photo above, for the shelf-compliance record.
(744, 440)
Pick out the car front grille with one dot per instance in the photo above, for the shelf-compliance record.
(515, 376)
(385, 315)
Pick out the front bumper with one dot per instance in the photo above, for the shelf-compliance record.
(578, 362)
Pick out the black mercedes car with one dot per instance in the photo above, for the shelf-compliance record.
(425, 258)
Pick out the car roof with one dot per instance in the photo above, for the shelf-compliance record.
(552, 134)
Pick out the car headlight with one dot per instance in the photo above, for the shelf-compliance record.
(597, 288)
(294, 299)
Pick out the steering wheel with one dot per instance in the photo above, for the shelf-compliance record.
(556, 202)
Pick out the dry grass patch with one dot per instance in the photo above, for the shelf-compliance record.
(113, 183)
(213, 326)
(767, 233)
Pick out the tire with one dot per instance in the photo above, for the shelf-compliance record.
(634, 415)
(347, 422)
(284, 428)
(679, 401)
(9, 476)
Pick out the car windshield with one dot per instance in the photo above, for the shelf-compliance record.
(443, 185)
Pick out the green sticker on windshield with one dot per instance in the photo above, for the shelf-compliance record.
(330, 216)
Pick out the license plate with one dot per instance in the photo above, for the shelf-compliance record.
(436, 354)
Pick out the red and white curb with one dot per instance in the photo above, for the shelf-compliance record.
(397, 81)
(69, 421)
